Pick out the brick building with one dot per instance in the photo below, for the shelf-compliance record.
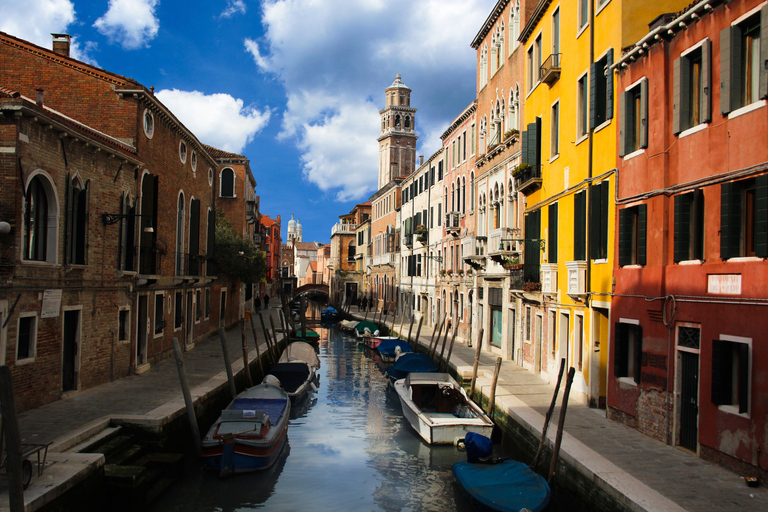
(270, 229)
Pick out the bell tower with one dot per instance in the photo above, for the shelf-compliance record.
(397, 142)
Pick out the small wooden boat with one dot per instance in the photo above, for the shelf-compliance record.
(295, 371)
(374, 341)
(438, 409)
(250, 433)
(307, 335)
(366, 329)
(389, 349)
(329, 314)
(507, 486)
(410, 362)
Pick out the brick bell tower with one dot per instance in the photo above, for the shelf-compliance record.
(397, 143)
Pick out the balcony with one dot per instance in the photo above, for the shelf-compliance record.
(549, 279)
(503, 243)
(453, 222)
(549, 72)
(577, 280)
(528, 178)
(516, 279)
(251, 212)
(343, 229)
(385, 259)
(472, 254)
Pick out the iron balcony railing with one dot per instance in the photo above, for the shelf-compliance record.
(529, 179)
(549, 71)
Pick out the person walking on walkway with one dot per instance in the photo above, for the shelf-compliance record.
(257, 304)
(266, 301)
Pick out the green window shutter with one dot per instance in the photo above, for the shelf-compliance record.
(721, 372)
(592, 94)
(697, 225)
(761, 216)
(725, 71)
(625, 236)
(643, 113)
(642, 233)
(604, 189)
(552, 242)
(594, 222)
(705, 97)
(624, 121)
(620, 353)
(682, 227)
(764, 51)
(730, 220)
(68, 207)
(608, 84)
(579, 228)
(638, 355)
(743, 377)
(676, 96)
(534, 144)
(524, 148)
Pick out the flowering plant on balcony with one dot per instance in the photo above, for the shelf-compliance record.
(532, 287)
(520, 169)
(461, 272)
(421, 233)
(511, 133)
(511, 263)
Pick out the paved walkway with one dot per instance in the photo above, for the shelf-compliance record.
(644, 473)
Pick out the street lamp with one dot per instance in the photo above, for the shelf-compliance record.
(113, 218)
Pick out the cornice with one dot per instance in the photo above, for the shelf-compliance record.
(489, 22)
(471, 109)
(537, 14)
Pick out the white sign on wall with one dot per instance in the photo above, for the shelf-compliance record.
(51, 304)
(724, 284)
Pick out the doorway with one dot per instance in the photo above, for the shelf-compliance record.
(688, 342)
(69, 349)
(223, 307)
(190, 322)
(142, 331)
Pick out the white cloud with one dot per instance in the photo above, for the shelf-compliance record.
(233, 7)
(218, 120)
(130, 23)
(336, 62)
(35, 20)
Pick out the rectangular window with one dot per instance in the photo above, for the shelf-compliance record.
(178, 318)
(554, 145)
(528, 323)
(731, 373)
(632, 235)
(207, 303)
(530, 63)
(580, 226)
(537, 55)
(123, 325)
(583, 107)
(601, 91)
(692, 88)
(628, 351)
(76, 221)
(439, 212)
(743, 78)
(689, 226)
(598, 220)
(552, 234)
(199, 305)
(159, 314)
(440, 170)
(633, 124)
(744, 218)
(583, 13)
(463, 146)
(556, 32)
(431, 217)
(26, 338)
(472, 146)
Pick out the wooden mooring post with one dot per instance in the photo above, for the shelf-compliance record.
(256, 342)
(267, 339)
(492, 402)
(418, 332)
(190, 405)
(450, 349)
(227, 361)
(276, 344)
(548, 417)
(244, 342)
(561, 424)
(477, 362)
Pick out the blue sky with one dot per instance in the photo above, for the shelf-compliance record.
(294, 85)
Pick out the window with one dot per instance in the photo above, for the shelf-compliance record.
(76, 222)
(583, 107)
(124, 325)
(149, 123)
(579, 226)
(40, 219)
(159, 314)
(628, 350)
(744, 218)
(537, 54)
(633, 122)
(207, 303)
(554, 143)
(632, 234)
(598, 220)
(178, 318)
(583, 13)
(529, 65)
(210, 177)
(193, 160)
(127, 241)
(552, 234)
(601, 90)
(26, 337)
(731, 372)
(689, 226)
(210, 244)
(351, 249)
(183, 152)
(227, 183)
(181, 260)
(198, 306)
(556, 32)
(743, 80)
(692, 88)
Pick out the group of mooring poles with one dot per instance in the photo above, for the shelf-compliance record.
(271, 355)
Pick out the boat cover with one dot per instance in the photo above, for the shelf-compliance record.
(291, 375)
(330, 311)
(300, 351)
(410, 362)
(272, 407)
(387, 346)
(362, 326)
(508, 486)
(479, 447)
(305, 334)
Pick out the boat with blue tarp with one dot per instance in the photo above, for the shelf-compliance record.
(388, 348)
(329, 314)
(410, 362)
(506, 486)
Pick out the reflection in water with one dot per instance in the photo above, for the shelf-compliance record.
(350, 449)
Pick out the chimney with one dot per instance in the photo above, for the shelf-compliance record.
(421, 159)
(61, 44)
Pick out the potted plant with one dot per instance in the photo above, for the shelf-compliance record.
(511, 263)
(421, 233)
(531, 287)
(442, 271)
(520, 169)
(461, 272)
(511, 133)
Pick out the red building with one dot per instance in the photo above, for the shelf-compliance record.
(273, 241)
(689, 360)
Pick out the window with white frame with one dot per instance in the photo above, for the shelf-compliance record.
(583, 17)
(628, 350)
(26, 336)
(159, 314)
(692, 87)
(731, 372)
(744, 80)
(582, 108)
(227, 186)
(183, 152)
(633, 125)
(554, 145)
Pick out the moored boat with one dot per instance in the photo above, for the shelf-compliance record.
(295, 370)
(329, 314)
(374, 341)
(388, 349)
(410, 362)
(507, 486)
(250, 433)
(438, 408)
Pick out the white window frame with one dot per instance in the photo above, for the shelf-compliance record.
(52, 228)
(149, 132)
(234, 182)
(554, 140)
(734, 409)
(127, 339)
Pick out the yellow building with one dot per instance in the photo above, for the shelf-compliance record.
(569, 146)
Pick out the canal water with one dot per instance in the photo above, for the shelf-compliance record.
(349, 448)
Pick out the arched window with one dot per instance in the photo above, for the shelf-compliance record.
(514, 26)
(397, 122)
(407, 122)
(463, 195)
(472, 191)
(227, 187)
(40, 220)
(76, 222)
(180, 259)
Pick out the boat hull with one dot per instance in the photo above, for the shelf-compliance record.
(505, 487)
(441, 426)
(239, 457)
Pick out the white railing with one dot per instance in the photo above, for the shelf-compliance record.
(385, 259)
(500, 241)
(343, 229)
(468, 245)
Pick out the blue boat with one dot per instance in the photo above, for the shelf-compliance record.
(329, 314)
(410, 362)
(507, 486)
(388, 347)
